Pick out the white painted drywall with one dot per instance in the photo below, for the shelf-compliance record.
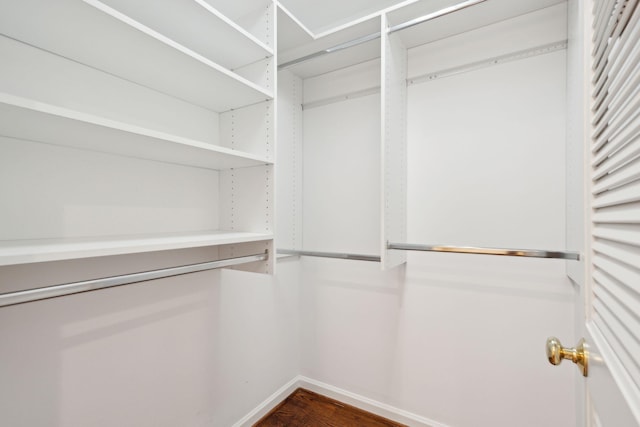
(55, 192)
(340, 183)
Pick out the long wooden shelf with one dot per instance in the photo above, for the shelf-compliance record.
(477, 16)
(238, 10)
(311, 52)
(198, 26)
(101, 37)
(14, 252)
(23, 118)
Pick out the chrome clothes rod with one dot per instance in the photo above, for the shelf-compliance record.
(530, 253)
(374, 36)
(434, 15)
(29, 295)
(337, 255)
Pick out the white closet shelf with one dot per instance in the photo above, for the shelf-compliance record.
(96, 35)
(30, 251)
(202, 28)
(337, 61)
(26, 119)
(236, 10)
(311, 58)
(474, 17)
(291, 32)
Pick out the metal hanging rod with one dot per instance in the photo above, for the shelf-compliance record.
(338, 255)
(434, 15)
(530, 253)
(19, 297)
(390, 30)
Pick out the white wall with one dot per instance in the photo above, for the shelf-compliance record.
(52, 192)
(200, 349)
(340, 185)
(458, 339)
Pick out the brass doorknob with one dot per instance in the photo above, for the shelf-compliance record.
(579, 355)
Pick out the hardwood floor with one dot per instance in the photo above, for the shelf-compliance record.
(309, 409)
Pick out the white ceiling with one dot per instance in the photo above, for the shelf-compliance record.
(322, 15)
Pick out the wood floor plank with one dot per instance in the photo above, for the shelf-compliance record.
(309, 409)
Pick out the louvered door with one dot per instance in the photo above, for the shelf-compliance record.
(613, 261)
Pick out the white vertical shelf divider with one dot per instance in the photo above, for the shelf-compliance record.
(289, 171)
(394, 145)
(248, 194)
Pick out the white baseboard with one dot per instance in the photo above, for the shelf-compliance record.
(366, 404)
(361, 402)
(271, 402)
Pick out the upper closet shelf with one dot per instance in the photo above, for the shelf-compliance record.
(252, 15)
(460, 21)
(310, 57)
(237, 10)
(337, 60)
(35, 121)
(101, 37)
(198, 26)
(291, 32)
(42, 250)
